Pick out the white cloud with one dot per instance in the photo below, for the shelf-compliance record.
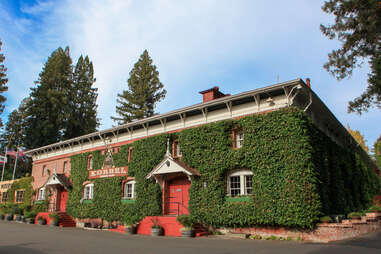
(238, 45)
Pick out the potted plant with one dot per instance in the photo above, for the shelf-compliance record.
(2, 215)
(130, 224)
(30, 216)
(41, 220)
(54, 219)
(156, 229)
(187, 222)
(373, 212)
(326, 219)
(18, 214)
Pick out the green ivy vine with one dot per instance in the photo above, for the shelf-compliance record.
(299, 174)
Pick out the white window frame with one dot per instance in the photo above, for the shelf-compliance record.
(17, 199)
(4, 194)
(126, 194)
(178, 150)
(88, 191)
(239, 137)
(91, 163)
(242, 176)
(41, 193)
(65, 166)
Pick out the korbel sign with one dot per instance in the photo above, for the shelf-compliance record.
(108, 168)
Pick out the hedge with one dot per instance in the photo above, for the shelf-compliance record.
(299, 175)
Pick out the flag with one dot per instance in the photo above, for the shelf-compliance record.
(14, 153)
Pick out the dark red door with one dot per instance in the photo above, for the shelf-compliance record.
(63, 200)
(178, 196)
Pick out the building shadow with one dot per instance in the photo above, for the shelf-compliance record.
(19, 249)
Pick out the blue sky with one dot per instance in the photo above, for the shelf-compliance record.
(238, 45)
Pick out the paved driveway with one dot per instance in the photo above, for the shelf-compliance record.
(16, 238)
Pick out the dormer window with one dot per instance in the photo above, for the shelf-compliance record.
(90, 163)
(238, 138)
(176, 149)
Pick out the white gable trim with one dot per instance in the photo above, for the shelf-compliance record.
(168, 166)
(53, 180)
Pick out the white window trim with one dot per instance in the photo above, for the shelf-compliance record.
(238, 139)
(241, 174)
(91, 163)
(133, 183)
(41, 194)
(17, 194)
(90, 196)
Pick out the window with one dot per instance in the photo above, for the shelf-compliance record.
(20, 196)
(238, 138)
(4, 197)
(88, 192)
(176, 149)
(41, 194)
(43, 170)
(129, 153)
(90, 163)
(65, 167)
(240, 183)
(115, 150)
(129, 190)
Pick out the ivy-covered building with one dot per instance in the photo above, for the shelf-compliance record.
(270, 156)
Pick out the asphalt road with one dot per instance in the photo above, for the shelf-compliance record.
(16, 238)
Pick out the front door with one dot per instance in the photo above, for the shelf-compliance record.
(63, 200)
(178, 196)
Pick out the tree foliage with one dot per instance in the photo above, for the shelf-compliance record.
(377, 152)
(3, 82)
(144, 91)
(83, 96)
(358, 27)
(359, 138)
(63, 104)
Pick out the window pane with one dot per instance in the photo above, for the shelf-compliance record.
(235, 186)
(248, 184)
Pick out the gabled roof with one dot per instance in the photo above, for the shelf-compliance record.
(169, 165)
(59, 179)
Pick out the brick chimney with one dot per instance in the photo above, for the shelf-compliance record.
(212, 94)
(308, 81)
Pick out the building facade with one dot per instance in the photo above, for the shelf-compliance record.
(270, 156)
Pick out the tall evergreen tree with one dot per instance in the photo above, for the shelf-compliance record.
(49, 108)
(3, 82)
(144, 91)
(358, 27)
(14, 133)
(83, 117)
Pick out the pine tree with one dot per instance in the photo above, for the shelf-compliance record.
(14, 133)
(48, 108)
(144, 91)
(83, 117)
(3, 82)
(358, 27)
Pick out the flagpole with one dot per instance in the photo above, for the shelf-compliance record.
(14, 168)
(5, 161)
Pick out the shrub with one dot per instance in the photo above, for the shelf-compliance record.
(326, 219)
(185, 220)
(354, 215)
(30, 215)
(374, 209)
(54, 216)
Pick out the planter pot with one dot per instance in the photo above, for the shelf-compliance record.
(42, 222)
(157, 231)
(187, 233)
(130, 230)
(54, 223)
(9, 217)
(2, 216)
(30, 220)
(18, 217)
